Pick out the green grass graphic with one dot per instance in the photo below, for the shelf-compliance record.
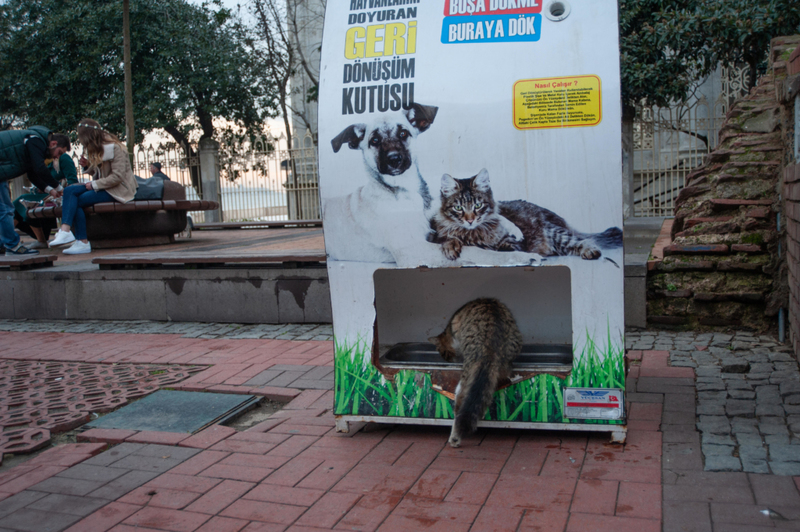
(362, 390)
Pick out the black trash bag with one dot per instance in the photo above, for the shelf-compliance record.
(149, 189)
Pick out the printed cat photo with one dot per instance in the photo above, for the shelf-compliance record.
(470, 216)
(484, 335)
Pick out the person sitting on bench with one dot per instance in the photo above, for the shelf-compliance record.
(155, 170)
(113, 180)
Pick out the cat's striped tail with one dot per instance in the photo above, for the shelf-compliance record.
(479, 393)
(610, 238)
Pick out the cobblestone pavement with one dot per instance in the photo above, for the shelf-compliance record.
(748, 397)
(322, 332)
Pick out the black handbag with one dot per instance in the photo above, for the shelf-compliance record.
(149, 189)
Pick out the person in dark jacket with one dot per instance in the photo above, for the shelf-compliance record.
(24, 152)
(155, 171)
(64, 171)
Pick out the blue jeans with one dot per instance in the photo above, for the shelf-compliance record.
(9, 237)
(76, 197)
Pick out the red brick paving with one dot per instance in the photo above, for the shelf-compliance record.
(637, 499)
(159, 438)
(110, 436)
(166, 519)
(105, 518)
(160, 498)
(294, 472)
(208, 437)
(45, 465)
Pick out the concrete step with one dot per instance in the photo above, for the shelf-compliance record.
(639, 236)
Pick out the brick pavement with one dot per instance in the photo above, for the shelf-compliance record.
(294, 472)
(39, 398)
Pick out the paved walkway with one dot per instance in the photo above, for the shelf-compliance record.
(294, 472)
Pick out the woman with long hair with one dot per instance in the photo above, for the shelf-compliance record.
(113, 180)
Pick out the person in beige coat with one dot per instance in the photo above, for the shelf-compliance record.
(113, 180)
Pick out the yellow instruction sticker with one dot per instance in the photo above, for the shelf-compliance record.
(557, 102)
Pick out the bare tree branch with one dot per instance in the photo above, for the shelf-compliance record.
(278, 44)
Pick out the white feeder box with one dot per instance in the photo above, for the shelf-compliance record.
(451, 114)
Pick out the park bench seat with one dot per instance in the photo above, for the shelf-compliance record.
(138, 222)
(133, 206)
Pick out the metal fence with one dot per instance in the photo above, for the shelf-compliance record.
(260, 179)
(264, 180)
(670, 142)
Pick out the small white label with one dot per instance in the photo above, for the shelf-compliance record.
(593, 403)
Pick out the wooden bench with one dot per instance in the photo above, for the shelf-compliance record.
(28, 262)
(136, 223)
(286, 259)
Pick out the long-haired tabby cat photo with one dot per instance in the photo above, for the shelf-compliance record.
(470, 216)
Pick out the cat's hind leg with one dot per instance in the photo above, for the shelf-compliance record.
(455, 432)
(588, 250)
(568, 242)
(455, 437)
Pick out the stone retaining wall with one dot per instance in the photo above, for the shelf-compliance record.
(257, 294)
(724, 267)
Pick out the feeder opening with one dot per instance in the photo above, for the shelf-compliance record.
(413, 305)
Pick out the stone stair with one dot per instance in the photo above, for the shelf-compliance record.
(722, 268)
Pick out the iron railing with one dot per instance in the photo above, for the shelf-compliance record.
(260, 179)
(670, 142)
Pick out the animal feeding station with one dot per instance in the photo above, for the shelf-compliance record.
(471, 149)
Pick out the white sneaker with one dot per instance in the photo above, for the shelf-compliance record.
(62, 237)
(77, 248)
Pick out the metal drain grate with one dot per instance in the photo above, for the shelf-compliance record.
(172, 411)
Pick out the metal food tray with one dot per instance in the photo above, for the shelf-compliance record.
(533, 356)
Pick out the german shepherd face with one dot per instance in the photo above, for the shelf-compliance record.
(388, 143)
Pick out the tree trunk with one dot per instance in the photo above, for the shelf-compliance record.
(126, 57)
(287, 123)
(753, 75)
(628, 114)
(183, 142)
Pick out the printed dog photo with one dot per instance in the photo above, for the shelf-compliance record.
(380, 216)
(387, 220)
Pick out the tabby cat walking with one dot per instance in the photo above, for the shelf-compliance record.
(484, 335)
